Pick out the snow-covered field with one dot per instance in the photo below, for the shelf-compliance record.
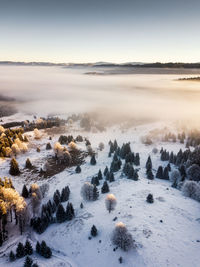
(166, 232)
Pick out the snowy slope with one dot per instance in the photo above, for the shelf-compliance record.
(172, 242)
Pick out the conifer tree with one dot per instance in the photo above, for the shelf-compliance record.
(93, 160)
(28, 248)
(95, 193)
(105, 171)
(14, 167)
(11, 256)
(20, 250)
(25, 192)
(56, 198)
(159, 173)
(100, 177)
(38, 248)
(81, 205)
(150, 198)
(166, 174)
(137, 159)
(105, 188)
(150, 175)
(48, 146)
(69, 212)
(28, 164)
(94, 231)
(60, 214)
(78, 169)
(28, 262)
(111, 177)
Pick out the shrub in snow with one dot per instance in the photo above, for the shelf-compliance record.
(37, 134)
(122, 238)
(78, 169)
(120, 259)
(175, 178)
(72, 145)
(101, 146)
(93, 160)
(81, 205)
(44, 188)
(150, 198)
(94, 231)
(155, 150)
(193, 173)
(191, 189)
(110, 202)
(14, 167)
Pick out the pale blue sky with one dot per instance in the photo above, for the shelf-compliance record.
(89, 31)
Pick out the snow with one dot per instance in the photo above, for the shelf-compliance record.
(172, 242)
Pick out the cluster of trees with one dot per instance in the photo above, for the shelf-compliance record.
(62, 155)
(173, 137)
(43, 123)
(163, 173)
(89, 192)
(149, 172)
(12, 142)
(48, 210)
(130, 172)
(11, 203)
(21, 251)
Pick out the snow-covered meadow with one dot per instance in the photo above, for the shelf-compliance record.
(166, 232)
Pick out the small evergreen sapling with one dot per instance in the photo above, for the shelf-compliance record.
(11, 256)
(94, 231)
(93, 160)
(150, 198)
(78, 169)
(28, 262)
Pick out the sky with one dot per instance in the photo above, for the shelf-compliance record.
(104, 30)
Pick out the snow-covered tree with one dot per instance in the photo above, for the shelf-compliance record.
(122, 238)
(37, 134)
(110, 202)
(193, 173)
(175, 178)
(191, 189)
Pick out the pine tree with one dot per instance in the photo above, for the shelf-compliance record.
(169, 167)
(120, 260)
(166, 174)
(111, 177)
(105, 171)
(95, 193)
(60, 214)
(137, 159)
(65, 194)
(94, 231)
(131, 172)
(48, 146)
(100, 177)
(150, 198)
(159, 173)
(38, 248)
(11, 256)
(28, 262)
(25, 192)
(105, 188)
(69, 212)
(149, 163)
(28, 248)
(56, 198)
(150, 175)
(43, 248)
(20, 250)
(81, 205)
(135, 177)
(108, 176)
(93, 160)
(78, 169)
(48, 253)
(28, 164)
(14, 167)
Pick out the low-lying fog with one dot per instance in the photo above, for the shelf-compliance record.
(47, 90)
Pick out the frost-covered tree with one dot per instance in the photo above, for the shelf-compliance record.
(37, 133)
(44, 188)
(14, 167)
(101, 146)
(36, 197)
(193, 173)
(122, 238)
(175, 178)
(191, 189)
(88, 191)
(110, 202)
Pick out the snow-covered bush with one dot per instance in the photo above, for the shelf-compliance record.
(89, 191)
(37, 134)
(122, 238)
(110, 202)
(36, 197)
(101, 146)
(155, 150)
(191, 189)
(72, 145)
(44, 188)
(175, 178)
(193, 172)
(2, 130)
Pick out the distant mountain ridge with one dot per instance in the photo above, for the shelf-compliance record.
(108, 64)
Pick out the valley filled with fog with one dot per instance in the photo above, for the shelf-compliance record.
(55, 90)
